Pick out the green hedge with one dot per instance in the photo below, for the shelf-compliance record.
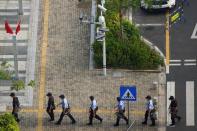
(124, 50)
(8, 123)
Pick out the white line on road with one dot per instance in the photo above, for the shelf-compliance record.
(170, 92)
(189, 64)
(175, 60)
(173, 64)
(167, 69)
(190, 60)
(190, 121)
(154, 24)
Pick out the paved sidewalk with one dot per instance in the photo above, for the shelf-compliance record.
(67, 72)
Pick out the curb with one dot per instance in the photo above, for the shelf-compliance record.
(152, 46)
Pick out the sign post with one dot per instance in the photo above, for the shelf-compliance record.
(128, 93)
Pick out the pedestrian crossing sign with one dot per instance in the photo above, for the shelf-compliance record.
(128, 92)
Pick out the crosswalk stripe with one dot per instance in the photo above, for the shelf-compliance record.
(170, 92)
(190, 121)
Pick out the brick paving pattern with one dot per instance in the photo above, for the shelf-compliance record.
(67, 72)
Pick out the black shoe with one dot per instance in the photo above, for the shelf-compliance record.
(73, 122)
(116, 124)
(101, 120)
(144, 123)
(58, 123)
(127, 122)
(152, 125)
(179, 118)
(89, 124)
(18, 120)
(51, 120)
(172, 125)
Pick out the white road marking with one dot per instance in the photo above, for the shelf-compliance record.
(190, 121)
(194, 34)
(190, 60)
(154, 24)
(167, 69)
(175, 60)
(170, 92)
(173, 64)
(189, 64)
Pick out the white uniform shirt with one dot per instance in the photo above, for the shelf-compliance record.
(149, 105)
(64, 103)
(121, 105)
(93, 105)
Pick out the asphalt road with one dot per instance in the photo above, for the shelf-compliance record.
(183, 48)
(183, 56)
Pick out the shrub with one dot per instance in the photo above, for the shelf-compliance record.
(8, 123)
(124, 48)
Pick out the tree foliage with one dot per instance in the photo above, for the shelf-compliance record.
(5, 73)
(8, 123)
(124, 47)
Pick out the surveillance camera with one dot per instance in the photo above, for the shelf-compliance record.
(101, 19)
(100, 37)
(103, 29)
(81, 17)
(102, 8)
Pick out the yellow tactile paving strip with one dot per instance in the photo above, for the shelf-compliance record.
(43, 66)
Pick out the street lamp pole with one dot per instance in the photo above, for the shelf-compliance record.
(100, 32)
(104, 44)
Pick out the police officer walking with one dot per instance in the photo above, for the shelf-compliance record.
(149, 111)
(16, 106)
(120, 112)
(50, 106)
(65, 110)
(173, 109)
(92, 110)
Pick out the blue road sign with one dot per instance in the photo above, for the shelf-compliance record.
(128, 92)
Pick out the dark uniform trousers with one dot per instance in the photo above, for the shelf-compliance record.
(151, 116)
(50, 112)
(16, 107)
(15, 114)
(66, 112)
(92, 116)
(51, 107)
(174, 115)
(120, 114)
(173, 111)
